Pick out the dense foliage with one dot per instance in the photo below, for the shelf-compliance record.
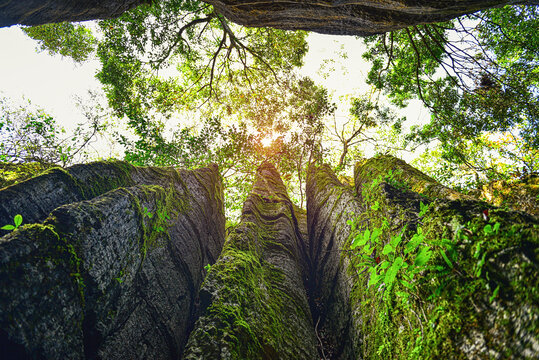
(478, 75)
(195, 88)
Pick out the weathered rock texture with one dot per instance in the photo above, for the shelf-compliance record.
(113, 277)
(254, 298)
(36, 12)
(475, 298)
(40, 195)
(111, 263)
(352, 17)
(330, 204)
(349, 17)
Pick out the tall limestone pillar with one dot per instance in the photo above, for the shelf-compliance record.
(113, 271)
(254, 298)
(428, 276)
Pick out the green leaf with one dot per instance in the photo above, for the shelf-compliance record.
(496, 227)
(8, 227)
(395, 241)
(423, 209)
(402, 294)
(376, 205)
(477, 250)
(446, 259)
(391, 273)
(17, 220)
(413, 243)
(374, 278)
(367, 249)
(375, 234)
(367, 259)
(488, 229)
(423, 256)
(366, 236)
(480, 265)
(495, 293)
(387, 249)
(440, 268)
(384, 264)
(407, 284)
(359, 240)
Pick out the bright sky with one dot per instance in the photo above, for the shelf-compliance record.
(48, 81)
(51, 82)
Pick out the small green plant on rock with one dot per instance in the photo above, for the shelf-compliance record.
(161, 215)
(398, 262)
(17, 221)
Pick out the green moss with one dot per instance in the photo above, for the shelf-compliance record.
(75, 262)
(11, 174)
(454, 299)
(249, 307)
(412, 179)
(250, 314)
(164, 206)
(101, 180)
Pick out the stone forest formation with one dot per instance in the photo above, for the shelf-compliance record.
(118, 262)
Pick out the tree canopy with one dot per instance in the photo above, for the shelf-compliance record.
(196, 88)
(478, 75)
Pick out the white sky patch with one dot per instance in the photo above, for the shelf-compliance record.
(337, 63)
(50, 82)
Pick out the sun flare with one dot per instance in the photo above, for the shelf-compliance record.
(267, 141)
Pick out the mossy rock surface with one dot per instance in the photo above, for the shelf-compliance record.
(116, 276)
(14, 173)
(517, 195)
(397, 172)
(254, 301)
(36, 197)
(476, 297)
